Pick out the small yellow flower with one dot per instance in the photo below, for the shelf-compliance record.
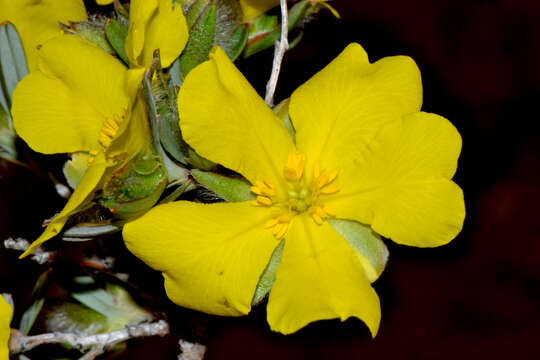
(364, 152)
(38, 21)
(80, 100)
(155, 24)
(5, 319)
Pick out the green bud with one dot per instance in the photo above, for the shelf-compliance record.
(136, 186)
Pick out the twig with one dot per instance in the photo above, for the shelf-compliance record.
(279, 52)
(39, 255)
(93, 353)
(191, 351)
(99, 342)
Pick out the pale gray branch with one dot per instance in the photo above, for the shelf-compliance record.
(280, 49)
(99, 342)
(40, 256)
(191, 351)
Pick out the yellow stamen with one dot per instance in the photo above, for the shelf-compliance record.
(271, 223)
(317, 218)
(294, 168)
(110, 128)
(330, 189)
(263, 200)
(255, 190)
(283, 230)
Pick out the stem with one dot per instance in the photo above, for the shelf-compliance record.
(99, 342)
(280, 49)
(39, 255)
(191, 351)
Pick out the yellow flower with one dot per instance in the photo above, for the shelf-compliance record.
(80, 100)
(37, 21)
(5, 319)
(155, 24)
(364, 151)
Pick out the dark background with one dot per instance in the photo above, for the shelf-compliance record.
(479, 296)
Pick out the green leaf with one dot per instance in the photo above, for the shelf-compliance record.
(74, 318)
(211, 22)
(201, 40)
(12, 63)
(30, 316)
(227, 188)
(269, 275)
(12, 69)
(115, 303)
(371, 251)
(265, 30)
(116, 34)
(38, 295)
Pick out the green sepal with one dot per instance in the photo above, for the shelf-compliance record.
(93, 32)
(228, 188)
(266, 281)
(13, 68)
(282, 112)
(116, 34)
(371, 251)
(136, 186)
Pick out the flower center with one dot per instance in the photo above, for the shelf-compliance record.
(300, 196)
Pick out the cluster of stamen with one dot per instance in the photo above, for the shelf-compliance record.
(300, 196)
(107, 133)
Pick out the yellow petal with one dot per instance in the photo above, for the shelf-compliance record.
(224, 120)
(252, 9)
(211, 255)
(319, 278)
(37, 21)
(62, 107)
(5, 319)
(339, 110)
(402, 186)
(83, 192)
(104, 2)
(155, 24)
